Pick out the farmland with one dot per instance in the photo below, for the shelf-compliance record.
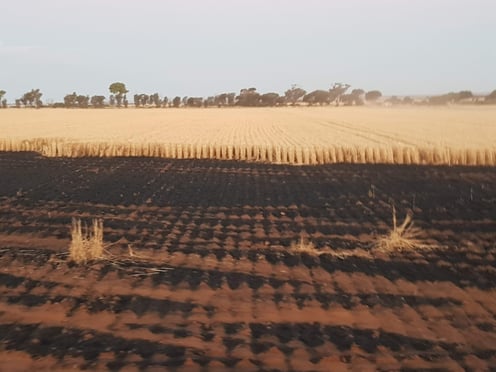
(201, 271)
(292, 135)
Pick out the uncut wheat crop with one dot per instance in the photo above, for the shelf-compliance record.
(464, 135)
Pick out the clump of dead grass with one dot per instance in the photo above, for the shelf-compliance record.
(87, 242)
(87, 247)
(405, 237)
(305, 246)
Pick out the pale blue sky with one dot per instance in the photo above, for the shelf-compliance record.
(205, 47)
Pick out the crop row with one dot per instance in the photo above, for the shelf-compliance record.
(297, 155)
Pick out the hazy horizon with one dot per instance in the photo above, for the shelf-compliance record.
(175, 48)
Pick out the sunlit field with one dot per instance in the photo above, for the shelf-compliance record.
(292, 135)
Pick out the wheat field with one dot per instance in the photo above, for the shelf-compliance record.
(464, 135)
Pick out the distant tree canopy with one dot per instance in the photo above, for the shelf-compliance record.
(31, 99)
(176, 102)
(373, 95)
(98, 101)
(451, 97)
(337, 91)
(294, 94)
(145, 99)
(223, 99)
(76, 100)
(194, 102)
(320, 97)
(119, 90)
(354, 98)
(70, 100)
(83, 101)
(491, 96)
(337, 94)
(3, 101)
(269, 99)
(248, 97)
(464, 94)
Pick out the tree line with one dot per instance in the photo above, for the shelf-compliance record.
(338, 94)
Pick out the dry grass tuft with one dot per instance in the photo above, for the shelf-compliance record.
(402, 238)
(87, 246)
(305, 246)
(87, 243)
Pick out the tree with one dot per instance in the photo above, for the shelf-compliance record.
(490, 98)
(70, 100)
(461, 96)
(155, 99)
(176, 102)
(144, 98)
(294, 94)
(464, 94)
(320, 97)
(165, 101)
(269, 99)
(354, 98)
(98, 101)
(136, 100)
(119, 90)
(83, 101)
(38, 101)
(337, 90)
(231, 98)
(32, 98)
(224, 99)
(221, 100)
(194, 102)
(3, 101)
(450, 97)
(373, 95)
(76, 100)
(209, 101)
(347, 99)
(281, 101)
(248, 97)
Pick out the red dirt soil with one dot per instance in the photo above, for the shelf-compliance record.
(221, 288)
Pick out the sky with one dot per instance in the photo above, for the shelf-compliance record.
(206, 47)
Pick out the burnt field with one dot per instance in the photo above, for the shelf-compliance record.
(221, 288)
